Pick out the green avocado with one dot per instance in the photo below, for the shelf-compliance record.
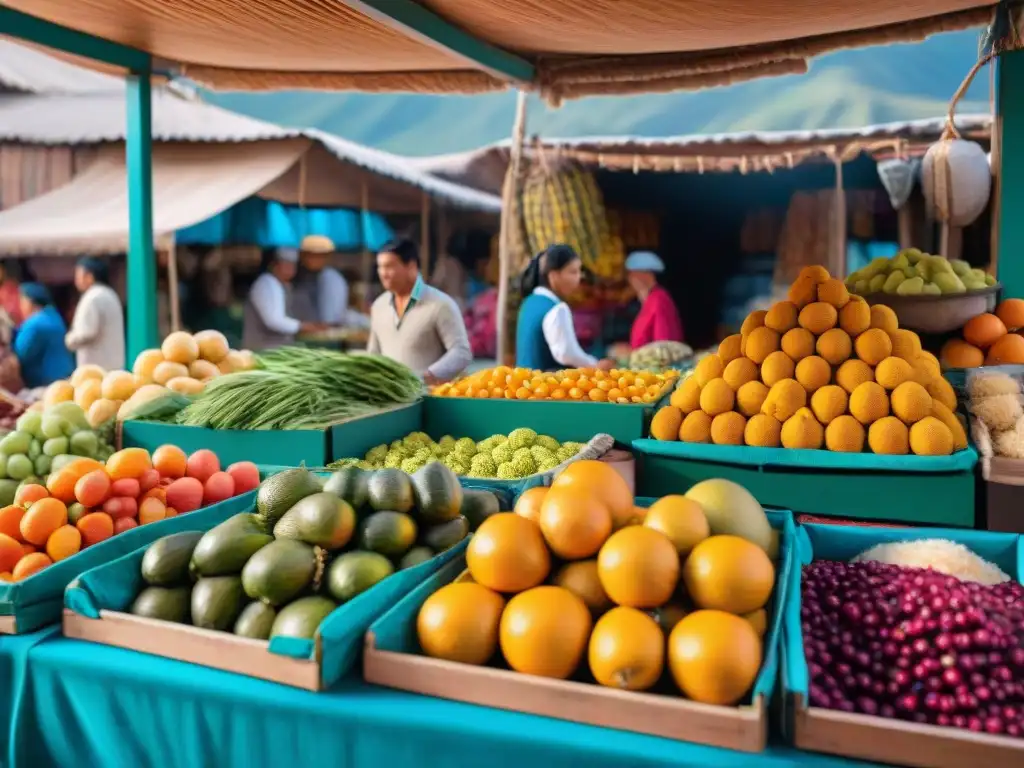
(437, 493)
(163, 603)
(353, 573)
(446, 535)
(414, 557)
(216, 602)
(226, 548)
(390, 489)
(302, 618)
(322, 519)
(389, 533)
(280, 571)
(165, 563)
(350, 484)
(280, 492)
(255, 621)
(477, 506)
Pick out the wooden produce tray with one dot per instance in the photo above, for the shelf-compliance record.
(8, 625)
(206, 647)
(741, 728)
(898, 742)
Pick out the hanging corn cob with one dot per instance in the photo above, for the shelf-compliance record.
(561, 203)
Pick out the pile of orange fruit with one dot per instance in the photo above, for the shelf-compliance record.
(88, 501)
(991, 338)
(622, 386)
(578, 572)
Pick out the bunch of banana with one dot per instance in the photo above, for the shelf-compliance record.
(658, 355)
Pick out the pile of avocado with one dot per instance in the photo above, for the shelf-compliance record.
(308, 547)
(913, 273)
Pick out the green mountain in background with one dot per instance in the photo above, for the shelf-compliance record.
(843, 89)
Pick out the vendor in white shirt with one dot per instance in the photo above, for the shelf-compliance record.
(269, 320)
(545, 335)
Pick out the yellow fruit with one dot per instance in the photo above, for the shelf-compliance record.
(87, 393)
(833, 291)
(727, 428)
(167, 370)
(803, 291)
(781, 317)
(666, 422)
(203, 370)
(753, 320)
(911, 402)
(581, 578)
(58, 392)
(815, 273)
(709, 367)
(845, 434)
(146, 363)
(730, 348)
(714, 657)
(627, 650)
(868, 402)
(852, 374)
(728, 573)
(686, 397)
(186, 385)
(930, 437)
(638, 567)
(681, 519)
(696, 428)
(893, 371)
(784, 399)
(758, 620)
(798, 343)
(905, 344)
(760, 343)
(732, 510)
(118, 385)
(855, 318)
(873, 346)
(829, 403)
(813, 373)
(180, 347)
(750, 397)
(86, 373)
(508, 554)
(460, 622)
(717, 397)
(102, 411)
(575, 525)
(763, 431)
(740, 371)
(947, 417)
(942, 390)
(213, 346)
(802, 430)
(818, 317)
(957, 353)
(544, 632)
(889, 436)
(922, 372)
(834, 346)
(776, 367)
(883, 318)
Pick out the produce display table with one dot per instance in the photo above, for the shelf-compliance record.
(14, 650)
(87, 704)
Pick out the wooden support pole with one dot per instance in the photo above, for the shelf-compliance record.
(509, 192)
(839, 257)
(172, 285)
(142, 313)
(366, 268)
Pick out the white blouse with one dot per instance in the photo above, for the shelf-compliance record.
(270, 299)
(560, 334)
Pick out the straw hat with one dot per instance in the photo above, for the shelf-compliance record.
(316, 244)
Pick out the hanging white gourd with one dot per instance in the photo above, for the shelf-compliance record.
(897, 177)
(957, 180)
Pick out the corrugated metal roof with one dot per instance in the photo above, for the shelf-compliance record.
(30, 70)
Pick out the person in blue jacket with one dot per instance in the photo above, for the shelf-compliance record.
(39, 340)
(545, 334)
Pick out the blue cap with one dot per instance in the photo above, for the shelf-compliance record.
(36, 293)
(644, 261)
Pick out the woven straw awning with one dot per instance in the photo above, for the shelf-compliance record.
(564, 48)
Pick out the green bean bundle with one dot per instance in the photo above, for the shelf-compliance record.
(297, 388)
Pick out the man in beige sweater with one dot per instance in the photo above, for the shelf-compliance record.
(413, 323)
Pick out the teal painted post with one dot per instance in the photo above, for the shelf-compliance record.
(1010, 116)
(141, 295)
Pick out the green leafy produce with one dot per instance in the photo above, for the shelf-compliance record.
(298, 388)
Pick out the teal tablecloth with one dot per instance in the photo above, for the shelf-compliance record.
(102, 707)
(14, 650)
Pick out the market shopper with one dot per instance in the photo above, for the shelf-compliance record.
(10, 296)
(39, 341)
(658, 319)
(321, 291)
(269, 319)
(413, 323)
(545, 334)
(97, 329)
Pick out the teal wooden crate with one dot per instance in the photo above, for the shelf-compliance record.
(873, 738)
(271, 447)
(104, 594)
(353, 438)
(479, 418)
(393, 658)
(921, 490)
(36, 602)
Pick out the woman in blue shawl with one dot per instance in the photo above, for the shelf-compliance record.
(39, 341)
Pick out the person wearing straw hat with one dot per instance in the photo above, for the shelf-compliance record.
(39, 341)
(323, 290)
(658, 319)
(269, 320)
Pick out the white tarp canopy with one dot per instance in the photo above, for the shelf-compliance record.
(191, 183)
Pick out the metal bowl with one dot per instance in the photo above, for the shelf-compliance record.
(938, 314)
